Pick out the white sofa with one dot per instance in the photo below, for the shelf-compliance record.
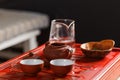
(21, 26)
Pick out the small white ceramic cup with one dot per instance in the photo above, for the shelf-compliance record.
(61, 67)
(31, 66)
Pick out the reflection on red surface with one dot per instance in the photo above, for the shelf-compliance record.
(82, 68)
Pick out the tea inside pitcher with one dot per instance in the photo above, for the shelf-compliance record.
(64, 42)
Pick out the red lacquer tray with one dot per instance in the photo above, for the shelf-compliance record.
(84, 68)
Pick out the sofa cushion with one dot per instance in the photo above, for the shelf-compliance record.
(14, 22)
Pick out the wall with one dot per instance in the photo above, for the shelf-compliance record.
(95, 20)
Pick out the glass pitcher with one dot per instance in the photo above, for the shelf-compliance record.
(62, 31)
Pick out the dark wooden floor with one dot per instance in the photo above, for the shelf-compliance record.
(9, 53)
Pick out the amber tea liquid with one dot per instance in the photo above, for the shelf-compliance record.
(71, 43)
